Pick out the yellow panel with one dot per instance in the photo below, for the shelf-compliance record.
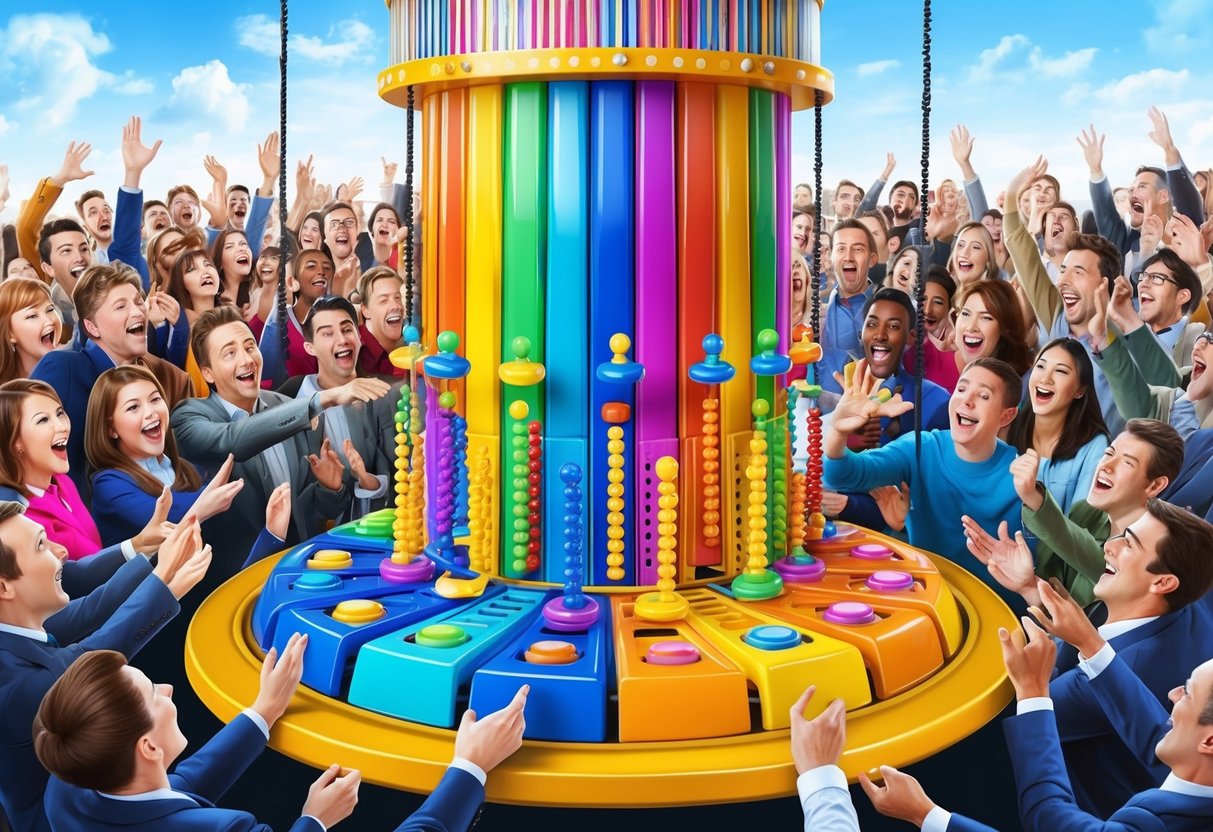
(780, 676)
(483, 298)
(733, 299)
(431, 122)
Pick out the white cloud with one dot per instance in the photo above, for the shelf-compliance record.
(259, 33)
(5, 125)
(346, 40)
(207, 93)
(877, 67)
(1182, 26)
(1016, 55)
(1153, 83)
(131, 84)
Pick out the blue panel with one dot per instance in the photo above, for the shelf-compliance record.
(612, 291)
(567, 701)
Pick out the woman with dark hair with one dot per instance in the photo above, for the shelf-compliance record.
(385, 234)
(310, 235)
(989, 322)
(1060, 419)
(233, 258)
(939, 364)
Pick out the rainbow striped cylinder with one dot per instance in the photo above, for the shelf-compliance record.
(593, 167)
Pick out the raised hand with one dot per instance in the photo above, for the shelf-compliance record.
(353, 188)
(135, 154)
(192, 571)
(962, 151)
(389, 171)
(1023, 475)
(1151, 227)
(72, 169)
(1029, 663)
(894, 504)
(1206, 233)
(900, 797)
(489, 741)
(279, 677)
(859, 404)
(1184, 236)
(890, 162)
(152, 535)
(1120, 309)
(332, 798)
(327, 467)
(1091, 143)
(218, 495)
(817, 742)
(1023, 179)
(216, 171)
(182, 540)
(305, 180)
(941, 222)
(1097, 327)
(1061, 616)
(366, 481)
(269, 161)
(278, 511)
(4, 191)
(833, 503)
(1161, 135)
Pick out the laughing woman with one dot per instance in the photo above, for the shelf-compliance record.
(1062, 422)
(130, 446)
(29, 324)
(233, 257)
(972, 256)
(34, 465)
(990, 323)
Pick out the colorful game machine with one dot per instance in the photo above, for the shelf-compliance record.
(594, 488)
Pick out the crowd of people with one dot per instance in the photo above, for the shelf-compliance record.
(1060, 383)
(158, 393)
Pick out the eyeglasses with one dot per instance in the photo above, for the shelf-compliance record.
(349, 223)
(1157, 278)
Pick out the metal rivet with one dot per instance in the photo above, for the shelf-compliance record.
(651, 60)
(747, 64)
(619, 59)
(769, 67)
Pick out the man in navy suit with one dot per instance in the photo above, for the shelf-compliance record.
(109, 735)
(1182, 803)
(42, 633)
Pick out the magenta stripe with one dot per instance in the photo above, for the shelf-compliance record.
(783, 225)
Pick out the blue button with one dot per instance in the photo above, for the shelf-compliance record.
(770, 637)
(317, 581)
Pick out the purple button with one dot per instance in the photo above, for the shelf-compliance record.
(849, 613)
(800, 569)
(889, 581)
(672, 653)
(872, 551)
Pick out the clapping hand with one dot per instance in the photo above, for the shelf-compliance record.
(1064, 618)
(1029, 663)
(279, 677)
(1024, 471)
(1009, 560)
(859, 402)
(327, 467)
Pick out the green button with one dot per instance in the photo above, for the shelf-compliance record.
(441, 635)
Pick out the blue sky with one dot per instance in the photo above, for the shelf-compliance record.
(204, 77)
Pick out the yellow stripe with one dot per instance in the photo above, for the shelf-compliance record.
(482, 202)
(431, 120)
(733, 303)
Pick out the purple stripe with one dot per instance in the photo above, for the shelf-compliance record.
(656, 303)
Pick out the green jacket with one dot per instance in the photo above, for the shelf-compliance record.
(1069, 548)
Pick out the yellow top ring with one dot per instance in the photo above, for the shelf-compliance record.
(796, 79)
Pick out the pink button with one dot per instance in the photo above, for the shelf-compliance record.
(672, 653)
(872, 551)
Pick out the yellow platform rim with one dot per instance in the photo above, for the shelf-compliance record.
(224, 663)
(797, 79)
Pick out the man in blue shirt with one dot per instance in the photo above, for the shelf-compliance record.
(853, 250)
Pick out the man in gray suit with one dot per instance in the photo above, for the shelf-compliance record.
(361, 434)
(266, 432)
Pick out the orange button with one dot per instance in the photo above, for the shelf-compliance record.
(551, 652)
(616, 413)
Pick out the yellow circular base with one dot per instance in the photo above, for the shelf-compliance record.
(797, 79)
(651, 607)
(224, 667)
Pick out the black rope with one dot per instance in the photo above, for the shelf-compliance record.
(408, 212)
(283, 320)
(920, 322)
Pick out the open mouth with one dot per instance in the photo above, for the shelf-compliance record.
(965, 421)
(153, 431)
(1070, 300)
(321, 283)
(342, 238)
(59, 448)
(964, 266)
(59, 575)
(243, 260)
(1137, 206)
(879, 354)
(1044, 395)
(394, 319)
(1109, 568)
(1198, 368)
(1101, 483)
(103, 226)
(1056, 229)
(972, 343)
(207, 282)
(246, 376)
(344, 356)
(47, 339)
(139, 328)
(78, 270)
(240, 212)
(159, 224)
(187, 216)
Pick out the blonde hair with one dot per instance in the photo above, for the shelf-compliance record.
(991, 272)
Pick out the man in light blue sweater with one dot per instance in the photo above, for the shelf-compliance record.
(960, 471)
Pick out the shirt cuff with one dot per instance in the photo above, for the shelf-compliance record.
(314, 408)
(128, 549)
(471, 768)
(937, 820)
(816, 779)
(370, 494)
(1099, 662)
(125, 189)
(1100, 179)
(1034, 703)
(318, 823)
(258, 720)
